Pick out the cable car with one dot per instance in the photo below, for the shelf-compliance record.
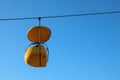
(39, 34)
(37, 55)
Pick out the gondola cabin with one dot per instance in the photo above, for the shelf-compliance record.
(36, 56)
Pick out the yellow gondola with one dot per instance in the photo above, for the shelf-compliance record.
(36, 56)
(39, 34)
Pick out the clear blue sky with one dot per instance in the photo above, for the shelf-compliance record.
(81, 48)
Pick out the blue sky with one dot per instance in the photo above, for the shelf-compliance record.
(81, 48)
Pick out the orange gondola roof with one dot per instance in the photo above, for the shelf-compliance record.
(39, 34)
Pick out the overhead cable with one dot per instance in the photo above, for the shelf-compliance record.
(60, 16)
(86, 14)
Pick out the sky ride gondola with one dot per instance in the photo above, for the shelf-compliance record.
(36, 55)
